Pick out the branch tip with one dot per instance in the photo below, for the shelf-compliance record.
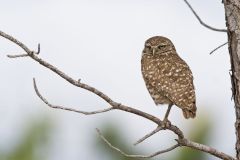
(148, 135)
(200, 21)
(66, 108)
(17, 55)
(34, 81)
(220, 46)
(97, 130)
(38, 51)
(36, 89)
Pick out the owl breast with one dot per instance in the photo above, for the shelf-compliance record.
(153, 76)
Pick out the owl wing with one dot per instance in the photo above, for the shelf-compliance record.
(176, 83)
(170, 77)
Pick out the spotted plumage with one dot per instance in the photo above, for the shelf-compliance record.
(168, 78)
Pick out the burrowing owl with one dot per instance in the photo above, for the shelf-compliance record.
(168, 78)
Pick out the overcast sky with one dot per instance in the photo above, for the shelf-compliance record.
(101, 43)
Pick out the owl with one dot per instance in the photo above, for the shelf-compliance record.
(168, 78)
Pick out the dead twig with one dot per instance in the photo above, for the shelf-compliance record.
(132, 155)
(201, 22)
(17, 55)
(66, 108)
(159, 128)
(218, 47)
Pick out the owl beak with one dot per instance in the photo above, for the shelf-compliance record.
(153, 51)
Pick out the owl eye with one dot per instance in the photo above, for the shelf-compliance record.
(148, 47)
(161, 46)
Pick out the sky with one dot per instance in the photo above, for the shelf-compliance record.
(101, 42)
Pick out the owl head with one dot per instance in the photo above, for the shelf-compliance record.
(158, 45)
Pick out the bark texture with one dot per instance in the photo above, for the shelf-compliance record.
(232, 14)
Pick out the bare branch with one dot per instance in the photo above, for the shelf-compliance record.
(17, 56)
(22, 55)
(148, 135)
(38, 48)
(204, 148)
(114, 105)
(201, 22)
(218, 47)
(14, 40)
(181, 142)
(66, 108)
(135, 156)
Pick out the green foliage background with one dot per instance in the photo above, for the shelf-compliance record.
(35, 142)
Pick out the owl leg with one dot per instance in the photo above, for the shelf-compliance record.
(165, 120)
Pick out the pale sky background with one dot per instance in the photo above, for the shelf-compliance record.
(100, 41)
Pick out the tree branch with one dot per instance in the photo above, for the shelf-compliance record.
(114, 105)
(220, 46)
(200, 21)
(181, 142)
(204, 148)
(66, 108)
(17, 56)
(132, 155)
(159, 128)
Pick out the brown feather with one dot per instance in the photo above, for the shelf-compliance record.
(169, 79)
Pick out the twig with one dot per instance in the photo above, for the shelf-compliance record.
(148, 135)
(115, 105)
(135, 156)
(66, 108)
(201, 22)
(17, 56)
(218, 47)
(39, 49)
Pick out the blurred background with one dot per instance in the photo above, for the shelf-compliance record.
(101, 43)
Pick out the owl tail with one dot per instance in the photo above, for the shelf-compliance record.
(188, 113)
